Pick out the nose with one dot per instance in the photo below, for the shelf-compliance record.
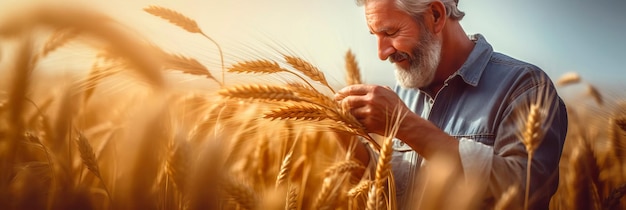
(385, 48)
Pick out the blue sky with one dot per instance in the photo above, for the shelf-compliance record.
(577, 35)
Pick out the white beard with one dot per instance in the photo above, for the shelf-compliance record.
(422, 64)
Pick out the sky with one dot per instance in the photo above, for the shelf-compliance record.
(559, 36)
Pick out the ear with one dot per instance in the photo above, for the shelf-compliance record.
(438, 15)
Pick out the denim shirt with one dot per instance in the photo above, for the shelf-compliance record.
(479, 105)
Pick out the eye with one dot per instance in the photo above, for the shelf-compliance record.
(391, 32)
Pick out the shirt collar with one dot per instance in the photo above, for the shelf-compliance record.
(476, 62)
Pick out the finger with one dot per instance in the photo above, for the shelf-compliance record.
(352, 90)
(353, 102)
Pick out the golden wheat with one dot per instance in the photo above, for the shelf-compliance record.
(568, 79)
(185, 64)
(343, 167)
(240, 193)
(595, 94)
(185, 23)
(307, 69)
(508, 200)
(58, 39)
(260, 92)
(360, 188)
(353, 74)
(256, 66)
(175, 18)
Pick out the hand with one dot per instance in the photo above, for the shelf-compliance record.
(372, 105)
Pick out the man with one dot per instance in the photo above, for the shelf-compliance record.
(462, 102)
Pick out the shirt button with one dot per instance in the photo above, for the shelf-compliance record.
(431, 101)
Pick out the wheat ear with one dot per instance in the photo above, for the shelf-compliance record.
(360, 188)
(508, 200)
(292, 198)
(308, 69)
(343, 167)
(383, 167)
(96, 74)
(314, 112)
(263, 66)
(313, 96)
(260, 92)
(243, 195)
(185, 23)
(58, 39)
(89, 159)
(177, 163)
(568, 79)
(185, 64)
(285, 166)
(613, 200)
(353, 74)
(595, 94)
(531, 139)
(256, 66)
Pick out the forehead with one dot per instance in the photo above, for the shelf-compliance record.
(382, 14)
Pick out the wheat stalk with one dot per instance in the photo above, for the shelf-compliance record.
(177, 163)
(621, 122)
(582, 178)
(243, 195)
(532, 130)
(96, 74)
(260, 92)
(263, 66)
(613, 200)
(308, 69)
(256, 66)
(299, 111)
(175, 18)
(292, 198)
(58, 39)
(353, 74)
(360, 188)
(313, 96)
(285, 166)
(343, 167)
(531, 138)
(185, 23)
(595, 94)
(383, 166)
(508, 200)
(89, 159)
(568, 79)
(185, 64)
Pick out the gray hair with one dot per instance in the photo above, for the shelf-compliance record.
(416, 7)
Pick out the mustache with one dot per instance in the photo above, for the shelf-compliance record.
(397, 56)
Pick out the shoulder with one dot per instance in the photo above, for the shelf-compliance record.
(515, 71)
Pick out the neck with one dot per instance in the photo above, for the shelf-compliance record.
(455, 48)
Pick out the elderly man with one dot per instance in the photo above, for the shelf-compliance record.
(462, 101)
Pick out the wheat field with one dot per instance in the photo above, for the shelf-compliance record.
(93, 116)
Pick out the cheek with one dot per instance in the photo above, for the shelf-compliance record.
(405, 44)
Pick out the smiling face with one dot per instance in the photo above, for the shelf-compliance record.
(413, 49)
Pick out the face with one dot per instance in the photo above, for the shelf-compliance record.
(413, 49)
